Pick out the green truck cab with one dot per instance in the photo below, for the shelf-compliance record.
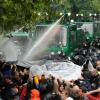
(69, 37)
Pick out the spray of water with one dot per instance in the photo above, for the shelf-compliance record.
(9, 49)
(43, 42)
(19, 29)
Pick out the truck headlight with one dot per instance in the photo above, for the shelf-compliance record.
(52, 53)
(59, 52)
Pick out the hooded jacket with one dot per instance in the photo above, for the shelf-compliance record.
(35, 95)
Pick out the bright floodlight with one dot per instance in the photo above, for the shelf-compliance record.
(81, 14)
(71, 20)
(95, 14)
(90, 14)
(76, 14)
(61, 13)
(59, 52)
(69, 14)
(39, 14)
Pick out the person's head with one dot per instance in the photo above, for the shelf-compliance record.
(98, 63)
(16, 75)
(8, 79)
(86, 74)
(51, 96)
(25, 71)
(61, 88)
(76, 91)
(98, 66)
(13, 68)
(64, 95)
(35, 93)
(42, 77)
(94, 72)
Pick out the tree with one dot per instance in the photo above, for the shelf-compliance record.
(96, 5)
(14, 13)
(18, 13)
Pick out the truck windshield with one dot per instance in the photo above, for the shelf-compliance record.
(60, 38)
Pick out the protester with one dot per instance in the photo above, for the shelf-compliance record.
(35, 95)
(19, 83)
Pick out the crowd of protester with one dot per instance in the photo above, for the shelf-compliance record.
(15, 84)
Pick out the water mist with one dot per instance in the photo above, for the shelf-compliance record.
(43, 42)
(9, 49)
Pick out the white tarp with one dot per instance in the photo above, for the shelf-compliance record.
(62, 70)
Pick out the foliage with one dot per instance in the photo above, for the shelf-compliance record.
(18, 13)
(96, 5)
